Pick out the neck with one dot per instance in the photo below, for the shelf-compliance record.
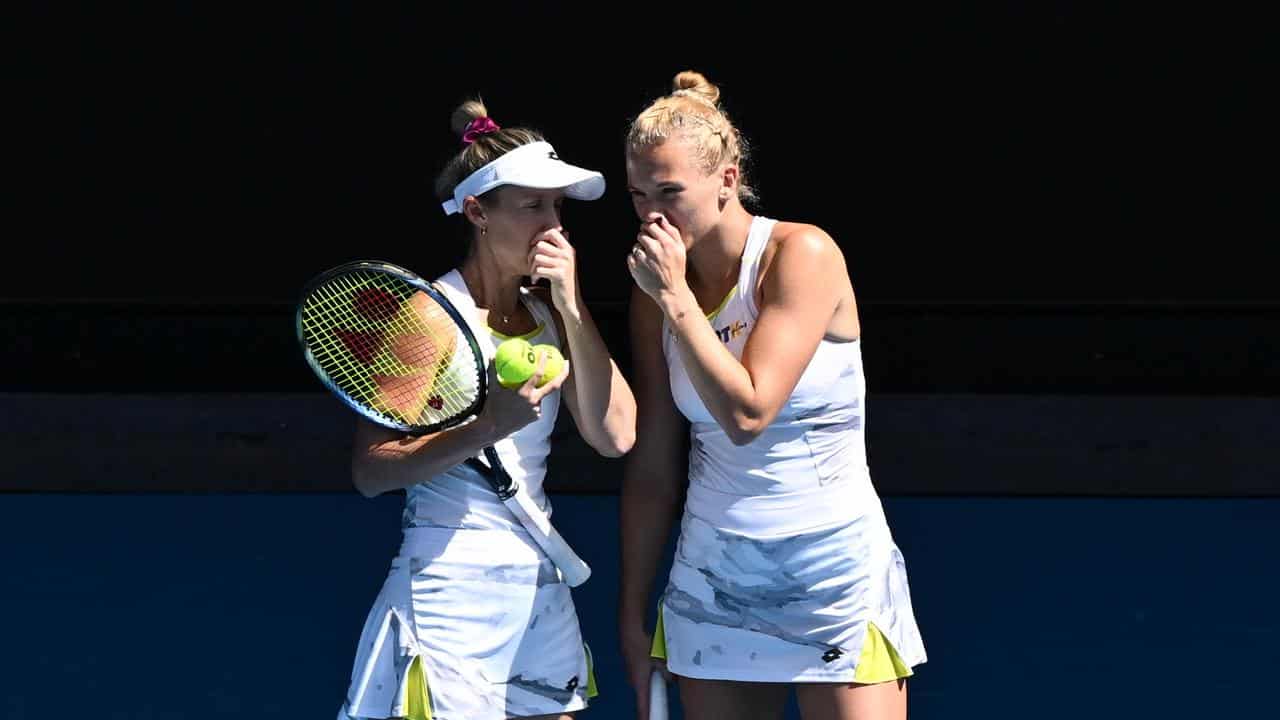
(713, 258)
(492, 289)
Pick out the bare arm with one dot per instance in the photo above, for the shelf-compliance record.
(655, 469)
(598, 397)
(384, 460)
(799, 298)
(596, 393)
(800, 294)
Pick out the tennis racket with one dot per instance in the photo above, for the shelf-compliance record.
(394, 349)
(657, 696)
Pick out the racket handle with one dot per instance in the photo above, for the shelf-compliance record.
(657, 696)
(572, 568)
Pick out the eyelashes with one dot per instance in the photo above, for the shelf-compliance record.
(666, 191)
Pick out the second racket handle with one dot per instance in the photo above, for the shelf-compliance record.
(657, 696)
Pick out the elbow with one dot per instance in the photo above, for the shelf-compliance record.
(626, 442)
(616, 443)
(745, 428)
(362, 479)
(618, 434)
(619, 444)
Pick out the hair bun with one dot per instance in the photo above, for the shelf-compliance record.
(465, 114)
(692, 82)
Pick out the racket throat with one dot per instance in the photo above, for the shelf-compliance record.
(504, 486)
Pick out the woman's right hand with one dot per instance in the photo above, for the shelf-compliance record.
(506, 411)
(636, 648)
(657, 260)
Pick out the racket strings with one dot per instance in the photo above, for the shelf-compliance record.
(390, 347)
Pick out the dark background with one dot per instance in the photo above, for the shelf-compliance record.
(211, 153)
(1059, 218)
(1057, 198)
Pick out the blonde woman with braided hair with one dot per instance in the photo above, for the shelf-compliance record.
(473, 622)
(747, 347)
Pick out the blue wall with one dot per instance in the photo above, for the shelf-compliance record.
(248, 605)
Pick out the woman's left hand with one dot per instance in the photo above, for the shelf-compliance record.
(553, 258)
(657, 260)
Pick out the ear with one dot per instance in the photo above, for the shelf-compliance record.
(728, 183)
(474, 211)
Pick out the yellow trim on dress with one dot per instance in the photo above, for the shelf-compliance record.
(878, 662)
(525, 336)
(711, 315)
(592, 689)
(659, 647)
(418, 703)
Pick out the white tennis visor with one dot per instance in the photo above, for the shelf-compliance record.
(535, 165)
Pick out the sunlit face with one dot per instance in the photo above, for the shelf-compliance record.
(514, 218)
(666, 179)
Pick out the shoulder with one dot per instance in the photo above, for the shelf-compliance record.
(802, 249)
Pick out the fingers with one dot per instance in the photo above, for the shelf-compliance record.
(637, 253)
(551, 243)
(650, 245)
(556, 236)
(551, 386)
(531, 388)
(541, 252)
(550, 272)
(531, 384)
(552, 246)
(550, 257)
(658, 239)
(657, 226)
(653, 233)
(645, 269)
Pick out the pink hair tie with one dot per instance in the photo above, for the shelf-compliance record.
(476, 128)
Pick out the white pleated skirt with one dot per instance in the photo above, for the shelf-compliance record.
(495, 631)
(785, 609)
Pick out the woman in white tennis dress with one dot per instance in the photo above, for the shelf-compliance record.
(473, 621)
(747, 348)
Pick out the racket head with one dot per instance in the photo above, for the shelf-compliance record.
(392, 347)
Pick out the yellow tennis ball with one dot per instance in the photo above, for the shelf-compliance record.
(514, 360)
(555, 362)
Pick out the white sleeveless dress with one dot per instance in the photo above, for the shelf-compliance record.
(784, 553)
(470, 593)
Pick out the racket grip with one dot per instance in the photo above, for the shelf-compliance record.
(572, 568)
(657, 696)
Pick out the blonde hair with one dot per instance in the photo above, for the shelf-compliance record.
(692, 112)
(483, 150)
